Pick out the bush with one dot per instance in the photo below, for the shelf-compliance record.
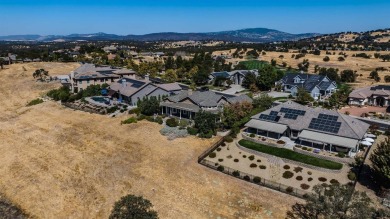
(263, 167)
(129, 120)
(171, 122)
(257, 179)
(299, 178)
(289, 189)
(310, 179)
(252, 157)
(322, 179)
(253, 165)
(35, 102)
(236, 173)
(334, 181)
(351, 176)
(212, 155)
(228, 139)
(305, 186)
(287, 174)
(220, 168)
(298, 169)
(252, 135)
(286, 167)
(236, 160)
(194, 131)
(341, 154)
(247, 178)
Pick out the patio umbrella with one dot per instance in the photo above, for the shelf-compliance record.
(369, 140)
(366, 143)
(370, 135)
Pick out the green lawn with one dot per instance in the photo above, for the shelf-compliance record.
(291, 155)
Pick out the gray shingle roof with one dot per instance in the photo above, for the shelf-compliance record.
(350, 127)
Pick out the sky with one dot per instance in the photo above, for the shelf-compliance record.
(61, 17)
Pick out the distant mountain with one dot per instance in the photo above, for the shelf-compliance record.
(243, 35)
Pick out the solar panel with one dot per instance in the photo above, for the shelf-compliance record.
(326, 123)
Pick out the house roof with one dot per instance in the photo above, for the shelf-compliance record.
(272, 127)
(349, 127)
(326, 138)
(207, 98)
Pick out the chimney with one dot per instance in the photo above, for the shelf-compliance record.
(147, 77)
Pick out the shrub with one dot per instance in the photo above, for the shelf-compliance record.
(341, 154)
(228, 139)
(334, 181)
(305, 186)
(219, 149)
(212, 155)
(258, 160)
(171, 122)
(252, 157)
(351, 176)
(256, 179)
(193, 131)
(310, 179)
(252, 135)
(299, 178)
(35, 102)
(289, 189)
(287, 174)
(236, 160)
(247, 178)
(298, 169)
(253, 165)
(322, 179)
(263, 167)
(129, 120)
(286, 167)
(236, 173)
(220, 168)
(309, 173)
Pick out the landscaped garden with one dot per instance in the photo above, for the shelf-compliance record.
(274, 170)
(291, 155)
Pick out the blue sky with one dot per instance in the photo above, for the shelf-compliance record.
(148, 16)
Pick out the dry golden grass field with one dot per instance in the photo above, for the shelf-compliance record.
(60, 163)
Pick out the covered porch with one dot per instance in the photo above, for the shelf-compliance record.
(265, 129)
(179, 110)
(327, 142)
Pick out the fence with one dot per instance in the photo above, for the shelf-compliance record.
(212, 148)
(256, 180)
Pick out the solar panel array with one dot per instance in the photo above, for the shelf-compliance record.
(292, 113)
(326, 123)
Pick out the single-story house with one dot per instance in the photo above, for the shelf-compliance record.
(131, 90)
(236, 76)
(317, 128)
(317, 85)
(187, 103)
(376, 96)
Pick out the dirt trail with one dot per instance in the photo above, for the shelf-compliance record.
(61, 163)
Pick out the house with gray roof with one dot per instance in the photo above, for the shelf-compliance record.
(317, 85)
(375, 96)
(187, 103)
(236, 76)
(313, 127)
(131, 90)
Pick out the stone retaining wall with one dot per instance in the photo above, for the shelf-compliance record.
(287, 160)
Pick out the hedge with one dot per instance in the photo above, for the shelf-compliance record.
(291, 155)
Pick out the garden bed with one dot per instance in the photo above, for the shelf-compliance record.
(291, 155)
